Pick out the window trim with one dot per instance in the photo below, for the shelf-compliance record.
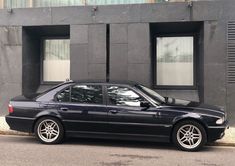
(42, 54)
(154, 64)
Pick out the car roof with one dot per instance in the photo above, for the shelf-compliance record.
(120, 82)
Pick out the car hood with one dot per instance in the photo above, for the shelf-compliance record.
(193, 106)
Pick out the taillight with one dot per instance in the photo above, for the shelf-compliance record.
(10, 108)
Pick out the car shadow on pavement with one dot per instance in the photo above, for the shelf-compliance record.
(117, 143)
(101, 142)
(125, 143)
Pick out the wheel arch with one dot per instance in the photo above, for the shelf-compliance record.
(189, 119)
(46, 115)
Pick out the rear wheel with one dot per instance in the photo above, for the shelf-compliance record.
(49, 130)
(189, 135)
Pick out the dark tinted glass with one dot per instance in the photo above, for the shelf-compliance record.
(64, 95)
(91, 94)
(123, 96)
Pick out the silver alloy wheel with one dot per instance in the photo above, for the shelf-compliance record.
(189, 136)
(48, 130)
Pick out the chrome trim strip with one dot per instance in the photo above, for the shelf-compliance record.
(187, 112)
(212, 110)
(108, 133)
(217, 127)
(210, 115)
(118, 123)
(17, 117)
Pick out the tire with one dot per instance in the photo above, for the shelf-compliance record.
(49, 130)
(189, 135)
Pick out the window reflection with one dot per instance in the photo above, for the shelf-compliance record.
(64, 96)
(175, 61)
(56, 60)
(123, 96)
(90, 94)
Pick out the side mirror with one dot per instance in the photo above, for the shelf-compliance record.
(144, 104)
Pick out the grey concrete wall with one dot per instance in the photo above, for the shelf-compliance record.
(88, 52)
(10, 64)
(118, 52)
(138, 13)
(214, 63)
(30, 62)
(130, 53)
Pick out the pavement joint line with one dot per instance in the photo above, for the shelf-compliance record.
(227, 140)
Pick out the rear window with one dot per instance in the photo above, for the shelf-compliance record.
(50, 89)
(89, 94)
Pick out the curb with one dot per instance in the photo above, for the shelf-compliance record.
(221, 144)
(11, 132)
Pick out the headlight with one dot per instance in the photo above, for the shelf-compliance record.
(220, 121)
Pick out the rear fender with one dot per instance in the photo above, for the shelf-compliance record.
(48, 113)
(53, 113)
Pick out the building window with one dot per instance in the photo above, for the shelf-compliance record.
(175, 61)
(56, 60)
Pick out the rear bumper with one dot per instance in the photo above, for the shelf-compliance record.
(20, 123)
(217, 132)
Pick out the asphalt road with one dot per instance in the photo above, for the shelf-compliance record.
(21, 150)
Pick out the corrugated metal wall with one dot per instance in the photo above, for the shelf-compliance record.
(231, 52)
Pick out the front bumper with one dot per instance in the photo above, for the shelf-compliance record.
(216, 132)
(22, 124)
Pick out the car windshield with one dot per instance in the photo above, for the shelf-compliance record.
(151, 93)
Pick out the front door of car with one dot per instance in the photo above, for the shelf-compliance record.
(82, 108)
(126, 116)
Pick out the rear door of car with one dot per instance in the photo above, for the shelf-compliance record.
(126, 116)
(83, 108)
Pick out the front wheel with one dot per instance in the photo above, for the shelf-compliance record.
(49, 130)
(189, 135)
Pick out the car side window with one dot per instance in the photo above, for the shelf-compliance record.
(63, 96)
(123, 96)
(90, 94)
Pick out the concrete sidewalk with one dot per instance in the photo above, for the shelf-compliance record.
(4, 128)
(227, 140)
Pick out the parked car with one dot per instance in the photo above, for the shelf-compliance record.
(118, 111)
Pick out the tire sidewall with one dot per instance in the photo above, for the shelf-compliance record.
(189, 122)
(61, 133)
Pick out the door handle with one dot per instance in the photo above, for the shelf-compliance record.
(64, 109)
(113, 111)
(158, 114)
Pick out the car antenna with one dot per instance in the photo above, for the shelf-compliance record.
(68, 80)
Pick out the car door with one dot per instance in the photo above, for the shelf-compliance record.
(82, 108)
(126, 116)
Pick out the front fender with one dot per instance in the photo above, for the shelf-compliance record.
(190, 116)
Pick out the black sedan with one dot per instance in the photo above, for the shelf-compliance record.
(117, 111)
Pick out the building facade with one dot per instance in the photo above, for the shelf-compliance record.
(181, 49)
